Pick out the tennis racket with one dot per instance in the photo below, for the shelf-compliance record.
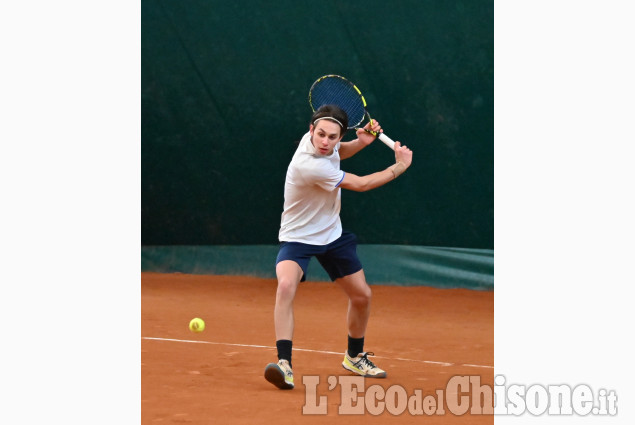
(336, 90)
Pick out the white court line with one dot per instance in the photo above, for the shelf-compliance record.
(445, 364)
(478, 365)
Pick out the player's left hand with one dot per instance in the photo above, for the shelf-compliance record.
(364, 136)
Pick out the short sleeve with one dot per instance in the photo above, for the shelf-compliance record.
(324, 175)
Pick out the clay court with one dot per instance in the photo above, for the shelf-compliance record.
(421, 336)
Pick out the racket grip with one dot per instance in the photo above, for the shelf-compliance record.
(387, 141)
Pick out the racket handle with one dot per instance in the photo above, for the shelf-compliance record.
(387, 141)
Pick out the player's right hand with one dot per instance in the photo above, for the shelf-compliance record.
(403, 154)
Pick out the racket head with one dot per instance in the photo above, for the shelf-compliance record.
(337, 90)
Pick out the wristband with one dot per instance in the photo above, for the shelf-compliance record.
(397, 169)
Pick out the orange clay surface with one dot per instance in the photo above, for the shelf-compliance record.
(421, 336)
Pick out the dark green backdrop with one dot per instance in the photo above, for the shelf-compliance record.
(224, 100)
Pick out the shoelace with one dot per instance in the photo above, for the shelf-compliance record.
(366, 361)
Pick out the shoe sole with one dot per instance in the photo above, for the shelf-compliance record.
(275, 375)
(379, 375)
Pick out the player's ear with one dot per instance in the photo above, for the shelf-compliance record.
(342, 134)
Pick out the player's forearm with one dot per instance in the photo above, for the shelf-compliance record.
(375, 180)
(372, 181)
(348, 149)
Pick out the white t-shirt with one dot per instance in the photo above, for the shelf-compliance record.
(312, 196)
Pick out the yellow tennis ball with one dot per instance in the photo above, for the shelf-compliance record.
(197, 325)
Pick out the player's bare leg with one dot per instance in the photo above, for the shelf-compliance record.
(289, 275)
(359, 297)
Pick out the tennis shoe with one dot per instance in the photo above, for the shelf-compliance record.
(280, 374)
(361, 365)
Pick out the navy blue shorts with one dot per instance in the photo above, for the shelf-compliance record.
(339, 258)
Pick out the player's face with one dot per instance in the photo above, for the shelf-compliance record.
(324, 136)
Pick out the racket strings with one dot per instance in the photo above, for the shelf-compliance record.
(336, 91)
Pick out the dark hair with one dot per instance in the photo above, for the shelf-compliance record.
(332, 111)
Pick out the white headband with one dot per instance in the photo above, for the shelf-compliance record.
(328, 118)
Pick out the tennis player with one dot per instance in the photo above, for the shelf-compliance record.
(311, 227)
